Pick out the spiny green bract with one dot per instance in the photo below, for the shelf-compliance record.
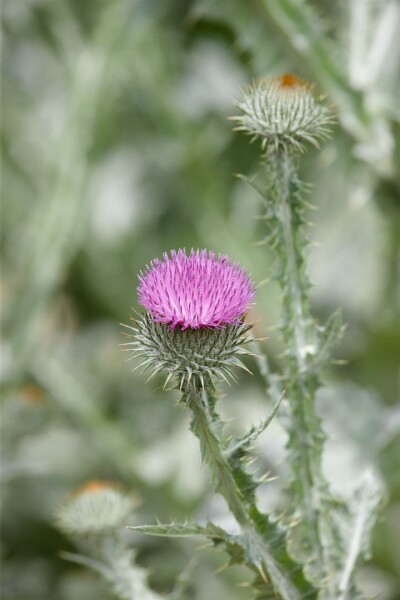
(205, 353)
(284, 112)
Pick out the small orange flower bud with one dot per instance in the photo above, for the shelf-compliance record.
(290, 81)
(96, 486)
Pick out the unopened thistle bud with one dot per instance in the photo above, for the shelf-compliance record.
(194, 320)
(284, 112)
(96, 508)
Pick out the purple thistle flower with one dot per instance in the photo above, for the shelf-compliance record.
(195, 291)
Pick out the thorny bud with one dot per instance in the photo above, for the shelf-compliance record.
(95, 508)
(193, 326)
(284, 112)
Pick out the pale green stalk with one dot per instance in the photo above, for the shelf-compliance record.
(316, 531)
(206, 425)
(116, 565)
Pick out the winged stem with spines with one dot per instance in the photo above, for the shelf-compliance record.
(261, 542)
(315, 540)
(318, 538)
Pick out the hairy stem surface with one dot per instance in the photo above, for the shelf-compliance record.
(260, 555)
(306, 437)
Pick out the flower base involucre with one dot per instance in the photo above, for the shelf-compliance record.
(205, 353)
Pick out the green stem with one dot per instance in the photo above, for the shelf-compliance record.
(306, 435)
(295, 296)
(205, 426)
(213, 449)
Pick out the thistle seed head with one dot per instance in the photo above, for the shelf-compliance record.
(284, 112)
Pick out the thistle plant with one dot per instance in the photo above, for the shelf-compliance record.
(134, 105)
(194, 329)
(93, 517)
(286, 114)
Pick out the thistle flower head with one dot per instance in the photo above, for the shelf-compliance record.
(195, 291)
(284, 112)
(193, 325)
(95, 508)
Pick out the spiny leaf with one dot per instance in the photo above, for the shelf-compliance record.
(186, 529)
(235, 545)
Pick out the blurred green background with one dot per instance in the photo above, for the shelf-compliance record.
(116, 147)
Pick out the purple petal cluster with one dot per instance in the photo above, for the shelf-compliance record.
(198, 290)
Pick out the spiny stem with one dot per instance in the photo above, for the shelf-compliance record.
(202, 423)
(295, 292)
(205, 425)
(306, 435)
